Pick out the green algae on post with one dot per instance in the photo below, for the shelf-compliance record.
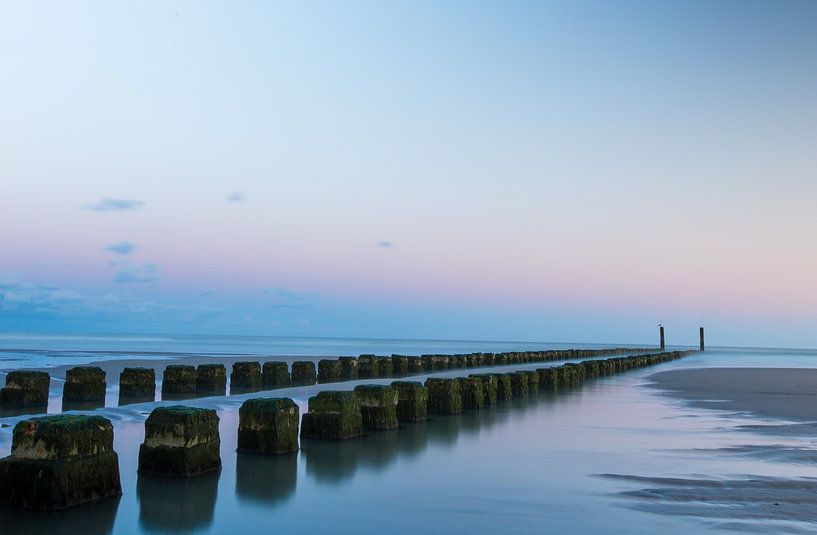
(303, 373)
(444, 396)
(211, 379)
(180, 441)
(348, 368)
(275, 375)
(268, 425)
(25, 390)
(57, 462)
(329, 370)
(332, 415)
(178, 380)
(519, 384)
(137, 383)
(489, 387)
(412, 401)
(378, 406)
(245, 377)
(83, 384)
(471, 393)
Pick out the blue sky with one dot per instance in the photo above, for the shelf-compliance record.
(565, 171)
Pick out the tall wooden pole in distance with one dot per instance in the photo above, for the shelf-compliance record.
(661, 332)
(702, 338)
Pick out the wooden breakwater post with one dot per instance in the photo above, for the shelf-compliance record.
(211, 380)
(179, 382)
(412, 401)
(60, 461)
(180, 441)
(137, 385)
(701, 334)
(268, 425)
(25, 390)
(489, 387)
(444, 396)
(471, 392)
(332, 415)
(303, 373)
(661, 336)
(84, 388)
(329, 370)
(275, 375)
(245, 377)
(348, 368)
(378, 406)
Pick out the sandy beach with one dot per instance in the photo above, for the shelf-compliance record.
(785, 393)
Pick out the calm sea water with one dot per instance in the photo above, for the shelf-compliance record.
(532, 466)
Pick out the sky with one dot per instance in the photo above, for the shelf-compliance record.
(571, 171)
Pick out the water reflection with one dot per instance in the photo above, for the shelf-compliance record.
(266, 479)
(95, 518)
(337, 461)
(170, 505)
(178, 396)
(130, 400)
(82, 405)
(7, 413)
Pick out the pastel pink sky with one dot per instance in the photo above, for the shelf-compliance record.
(561, 174)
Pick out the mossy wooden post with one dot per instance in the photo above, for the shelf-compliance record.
(332, 415)
(412, 401)
(489, 387)
(246, 377)
(385, 367)
(268, 425)
(303, 373)
(444, 396)
(275, 375)
(415, 365)
(399, 365)
(57, 462)
(548, 379)
(504, 391)
(471, 393)
(179, 381)
(181, 442)
(519, 384)
(211, 380)
(367, 367)
(378, 406)
(500, 359)
(348, 368)
(84, 384)
(25, 390)
(329, 370)
(533, 381)
(137, 385)
(428, 362)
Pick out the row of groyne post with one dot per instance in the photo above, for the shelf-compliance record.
(85, 386)
(64, 460)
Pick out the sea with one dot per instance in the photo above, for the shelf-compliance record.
(596, 459)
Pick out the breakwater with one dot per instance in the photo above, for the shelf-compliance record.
(183, 441)
(26, 392)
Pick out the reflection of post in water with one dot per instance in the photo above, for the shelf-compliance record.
(7, 413)
(266, 479)
(95, 518)
(82, 405)
(176, 504)
(336, 461)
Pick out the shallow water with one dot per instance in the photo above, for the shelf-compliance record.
(613, 456)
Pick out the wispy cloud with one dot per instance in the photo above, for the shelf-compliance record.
(146, 273)
(287, 299)
(114, 205)
(24, 299)
(207, 293)
(385, 244)
(123, 248)
(236, 196)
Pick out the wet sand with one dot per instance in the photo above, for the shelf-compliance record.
(781, 393)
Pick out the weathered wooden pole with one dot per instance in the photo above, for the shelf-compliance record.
(661, 332)
(702, 338)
